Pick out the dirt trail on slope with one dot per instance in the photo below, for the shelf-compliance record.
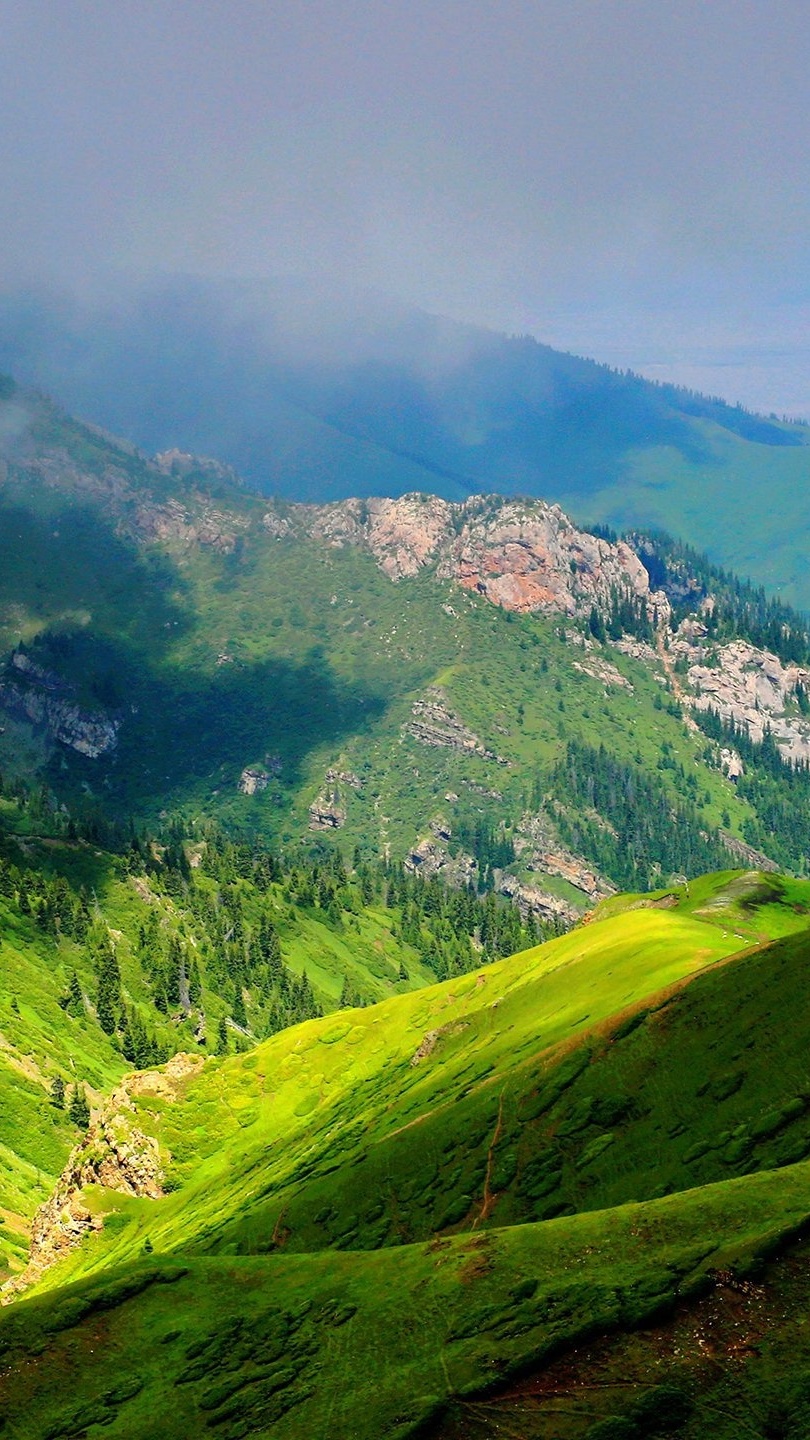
(489, 1198)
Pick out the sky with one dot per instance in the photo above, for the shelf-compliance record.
(623, 178)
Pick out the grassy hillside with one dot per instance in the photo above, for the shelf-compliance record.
(114, 958)
(370, 1345)
(377, 1219)
(354, 1087)
(243, 650)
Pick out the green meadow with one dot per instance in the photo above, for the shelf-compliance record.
(396, 1220)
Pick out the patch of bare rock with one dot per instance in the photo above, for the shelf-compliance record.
(183, 526)
(113, 1153)
(747, 854)
(749, 686)
(435, 724)
(328, 810)
(523, 555)
(539, 850)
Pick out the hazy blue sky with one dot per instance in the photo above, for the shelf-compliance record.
(629, 178)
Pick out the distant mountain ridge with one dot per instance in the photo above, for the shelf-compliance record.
(317, 398)
(477, 688)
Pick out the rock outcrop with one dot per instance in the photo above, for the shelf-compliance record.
(186, 527)
(253, 780)
(533, 900)
(539, 851)
(327, 812)
(403, 535)
(431, 857)
(751, 687)
(536, 851)
(113, 1153)
(523, 555)
(529, 557)
(185, 466)
(747, 853)
(32, 693)
(435, 724)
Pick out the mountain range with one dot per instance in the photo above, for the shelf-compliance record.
(403, 920)
(316, 396)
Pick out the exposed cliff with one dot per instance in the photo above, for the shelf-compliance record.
(32, 693)
(525, 556)
(747, 685)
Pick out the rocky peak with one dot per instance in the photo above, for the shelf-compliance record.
(183, 465)
(523, 555)
(529, 557)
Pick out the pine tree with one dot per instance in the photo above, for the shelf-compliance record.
(58, 1092)
(194, 983)
(222, 1037)
(238, 1011)
(79, 1110)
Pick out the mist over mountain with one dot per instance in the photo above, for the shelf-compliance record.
(314, 394)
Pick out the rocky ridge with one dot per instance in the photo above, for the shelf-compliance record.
(115, 1154)
(525, 556)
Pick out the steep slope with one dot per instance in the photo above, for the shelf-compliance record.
(318, 397)
(155, 659)
(640, 1054)
(276, 1148)
(114, 957)
(506, 1094)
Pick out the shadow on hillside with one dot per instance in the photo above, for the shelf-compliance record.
(64, 565)
(111, 617)
(184, 730)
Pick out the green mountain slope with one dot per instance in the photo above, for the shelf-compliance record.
(114, 958)
(369, 1345)
(392, 1085)
(194, 644)
(440, 1134)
